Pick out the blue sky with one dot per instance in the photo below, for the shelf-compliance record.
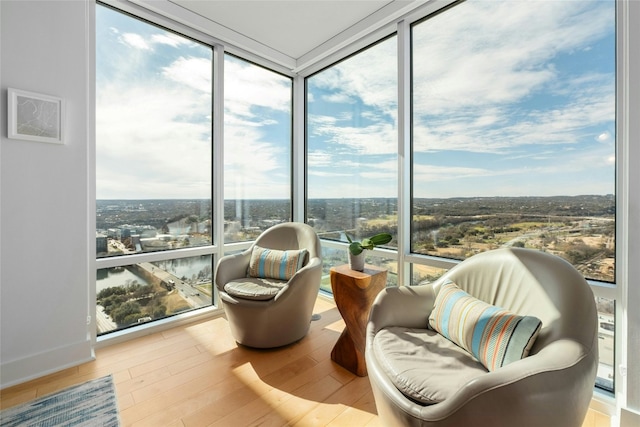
(352, 126)
(512, 98)
(257, 132)
(154, 123)
(527, 106)
(153, 113)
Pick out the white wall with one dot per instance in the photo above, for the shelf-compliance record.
(44, 198)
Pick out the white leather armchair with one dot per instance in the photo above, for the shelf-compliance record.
(551, 387)
(275, 312)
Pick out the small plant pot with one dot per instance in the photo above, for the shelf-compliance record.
(356, 262)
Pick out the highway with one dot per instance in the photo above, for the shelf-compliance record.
(103, 321)
(189, 292)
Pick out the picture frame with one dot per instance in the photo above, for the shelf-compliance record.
(35, 117)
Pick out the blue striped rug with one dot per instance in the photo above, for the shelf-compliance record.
(89, 404)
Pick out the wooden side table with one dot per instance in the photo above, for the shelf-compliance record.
(354, 292)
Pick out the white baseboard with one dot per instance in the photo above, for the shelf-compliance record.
(45, 363)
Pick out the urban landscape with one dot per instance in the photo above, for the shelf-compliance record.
(580, 229)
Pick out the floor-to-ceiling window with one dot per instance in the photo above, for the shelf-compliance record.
(513, 136)
(352, 150)
(257, 149)
(153, 172)
(510, 106)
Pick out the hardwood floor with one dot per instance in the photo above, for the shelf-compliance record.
(196, 375)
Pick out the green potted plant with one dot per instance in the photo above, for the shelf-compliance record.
(356, 248)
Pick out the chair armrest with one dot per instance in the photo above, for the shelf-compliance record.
(232, 267)
(407, 306)
(312, 265)
(558, 369)
(311, 273)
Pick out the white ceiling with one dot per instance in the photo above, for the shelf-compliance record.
(295, 28)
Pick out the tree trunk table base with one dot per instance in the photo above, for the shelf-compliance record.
(354, 293)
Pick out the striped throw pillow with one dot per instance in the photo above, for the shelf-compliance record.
(274, 264)
(495, 336)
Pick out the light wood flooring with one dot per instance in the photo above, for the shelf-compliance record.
(196, 375)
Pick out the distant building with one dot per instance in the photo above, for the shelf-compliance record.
(101, 244)
(114, 233)
(135, 242)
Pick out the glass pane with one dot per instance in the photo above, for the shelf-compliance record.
(153, 137)
(425, 273)
(138, 293)
(606, 343)
(332, 257)
(352, 145)
(514, 131)
(257, 149)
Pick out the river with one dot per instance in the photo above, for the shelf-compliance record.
(183, 267)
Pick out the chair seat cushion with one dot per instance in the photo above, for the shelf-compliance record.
(422, 364)
(254, 288)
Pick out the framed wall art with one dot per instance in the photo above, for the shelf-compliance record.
(35, 117)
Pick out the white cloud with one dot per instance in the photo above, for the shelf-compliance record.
(332, 174)
(376, 138)
(500, 128)
(146, 148)
(523, 149)
(170, 39)
(437, 173)
(366, 123)
(248, 86)
(473, 78)
(135, 41)
(256, 165)
(339, 98)
(547, 172)
(370, 77)
(470, 98)
(318, 158)
(604, 137)
(194, 72)
(142, 42)
(501, 57)
(154, 126)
